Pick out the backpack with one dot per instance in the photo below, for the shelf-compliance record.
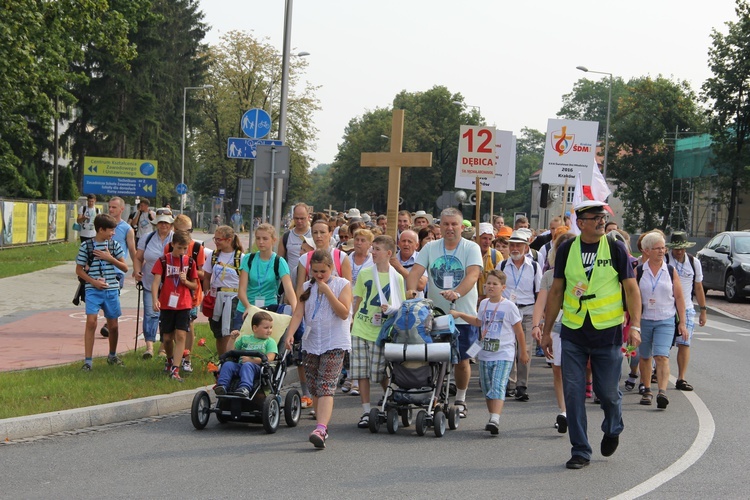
(81, 293)
(163, 260)
(336, 261)
(692, 264)
(237, 259)
(276, 262)
(534, 265)
(196, 247)
(412, 323)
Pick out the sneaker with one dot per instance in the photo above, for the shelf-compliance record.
(539, 353)
(115, 361)
(510, 393)
(318, 438)
(493, 427)
(187, 366)
(576, 462)
(561, 423)
(242, 391)
(220, 390)
(168, 366)
(306, 401)
(355, 390)
(346, 386)
(609, 445)
(86, 367)
(463, 411)
(521, 394)
(140, 337)
(364, 421)
(175, 375)
(589, 390)
(596, 399)
(148, 354)
(312, 414)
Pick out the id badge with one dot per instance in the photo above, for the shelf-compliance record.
(579, 289)
(173, 300)
(491, 345)
(260, 301)
(652, 303)
(475, 348)
(513, 297)
(447, 281)
(377, 319)
(308, 328)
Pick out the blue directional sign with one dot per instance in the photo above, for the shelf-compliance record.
(119, 176)
(181, 188)
(245, 148)
(256, 123)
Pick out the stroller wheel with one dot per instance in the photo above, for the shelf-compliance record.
(453, 418)
(392, 421)
(439, 424)
(421, 423)
(374, 423)
(199, 411)
(406, 417)
(271, 414)
(292, 408)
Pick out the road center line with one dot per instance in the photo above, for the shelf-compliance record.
(706, 430)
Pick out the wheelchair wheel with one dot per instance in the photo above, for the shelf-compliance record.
(292, 408)
(391, 421)
(199, 410)
(406, 417)
(453, 418)
(439, 423)
(421, 423)
(271, 414)
(374, 424)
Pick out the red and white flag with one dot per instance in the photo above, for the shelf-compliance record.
(577, 199)
(598, 190)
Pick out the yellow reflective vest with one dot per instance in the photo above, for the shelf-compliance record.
(600, 297)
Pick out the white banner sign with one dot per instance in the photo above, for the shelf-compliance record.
(504, 178)
(570, 148)
(476, 151)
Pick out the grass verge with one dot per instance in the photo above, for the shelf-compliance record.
(30, 392)
(22, 260)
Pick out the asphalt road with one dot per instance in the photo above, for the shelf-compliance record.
(663, 454)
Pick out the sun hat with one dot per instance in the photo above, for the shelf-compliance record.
(679, 240)
(353, 212)
(505, 232)
(520, 236)
(163, 215)
(421, 214)
(486, 228)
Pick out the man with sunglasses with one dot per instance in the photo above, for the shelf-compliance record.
(589, 272)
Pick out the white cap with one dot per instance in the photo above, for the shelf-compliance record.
(486, 228)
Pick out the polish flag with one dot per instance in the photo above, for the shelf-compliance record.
(577, 199)
(598, 190)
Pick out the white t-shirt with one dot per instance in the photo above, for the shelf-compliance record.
(293, 249)
(445, 271)
(687, 276)
(334, 251)
(356, 269)
(498, 318)
(223, 274)
(87, 227)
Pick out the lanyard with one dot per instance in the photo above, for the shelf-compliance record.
(655, 282)
(516, 281)
(452, 256)
(680, 267)
(176, 280)
(265, 274)
(492, 319)
(318, 301)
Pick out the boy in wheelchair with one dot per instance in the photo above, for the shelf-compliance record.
(248, 368)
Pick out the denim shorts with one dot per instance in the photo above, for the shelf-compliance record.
(107, 301)
(656, 337)
(467, 335)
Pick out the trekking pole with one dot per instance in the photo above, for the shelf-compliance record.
(139, 287)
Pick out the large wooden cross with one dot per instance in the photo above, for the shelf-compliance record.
(395, 160)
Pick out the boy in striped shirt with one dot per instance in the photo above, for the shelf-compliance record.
(95, 264)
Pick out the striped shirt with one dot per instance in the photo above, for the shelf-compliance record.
(100, 268)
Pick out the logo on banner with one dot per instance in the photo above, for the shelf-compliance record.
(562, 141)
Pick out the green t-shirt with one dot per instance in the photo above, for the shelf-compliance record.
(252, 343)
(366, 324)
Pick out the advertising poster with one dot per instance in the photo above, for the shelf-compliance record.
(60, 222)
(31, 223)
(570, 148)
(20, 223)
(7, 222)
(42, 212)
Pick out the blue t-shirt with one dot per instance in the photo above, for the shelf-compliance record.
(121, 237)
(100, 268)
(262, 283)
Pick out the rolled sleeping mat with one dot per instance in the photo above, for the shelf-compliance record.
(438, 352)
(443, 325)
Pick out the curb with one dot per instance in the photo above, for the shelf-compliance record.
(721, 312)
(122, 411)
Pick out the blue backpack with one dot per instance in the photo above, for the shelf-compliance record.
(412, 323)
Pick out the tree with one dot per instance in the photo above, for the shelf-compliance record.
(588, 101)
(728, 94)
(641, 167)
(529, 156)
(246, 73)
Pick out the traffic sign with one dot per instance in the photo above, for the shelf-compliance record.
(246, 148)
(222, 191)
(256, 123)
(181, 188)
(119, 176)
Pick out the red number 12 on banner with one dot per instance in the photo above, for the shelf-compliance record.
(483, 148)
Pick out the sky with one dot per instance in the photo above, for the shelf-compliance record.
(514, 60)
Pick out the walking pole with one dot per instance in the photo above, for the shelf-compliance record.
(139, 287)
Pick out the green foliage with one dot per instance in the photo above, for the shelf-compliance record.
(588, 101)
(726, 93)
(320, 194)
(529, 156)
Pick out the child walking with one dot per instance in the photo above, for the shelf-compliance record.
(324, 305)
(174, 300)
(500, 329)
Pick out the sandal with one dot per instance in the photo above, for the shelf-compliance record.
(662, 401)
(641, 389)
(682, 385)
(629, 385)
(647, 399)
(462, 409)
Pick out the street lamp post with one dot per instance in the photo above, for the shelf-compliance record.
(184, 108)
(609, 108)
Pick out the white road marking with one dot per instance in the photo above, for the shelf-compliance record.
(726, 327)
(706, 430)
(744, 334)
(717, 340)
(701, 333)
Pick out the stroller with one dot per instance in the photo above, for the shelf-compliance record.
(419, 350)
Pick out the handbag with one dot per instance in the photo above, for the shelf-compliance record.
(208, 305)
(80, 295)
(76, 226)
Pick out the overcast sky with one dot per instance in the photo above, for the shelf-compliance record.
(514, 60)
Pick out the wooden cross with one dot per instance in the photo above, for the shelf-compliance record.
(331, 211)
(395, 160)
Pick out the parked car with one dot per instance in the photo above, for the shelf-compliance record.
(726, 264)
